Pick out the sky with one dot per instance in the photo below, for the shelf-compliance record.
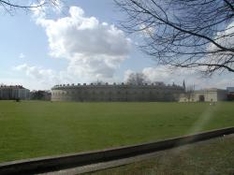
(81, 42)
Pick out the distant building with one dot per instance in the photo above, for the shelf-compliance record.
(205, 95)
(40, 95)
(116, 92)
(230, 90)
(230, 93)
(14, 92)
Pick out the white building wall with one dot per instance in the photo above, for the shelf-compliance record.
(13, 92)
(23, 94)
(207, 95)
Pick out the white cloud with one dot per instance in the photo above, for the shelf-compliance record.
(146, 31)
(22, 56)
(93, 50)
(156, 74)
(167, 74)
(33, 71)
(170, 75)
(225, 39)
(127, 73)
(38, 74)
(160, 73)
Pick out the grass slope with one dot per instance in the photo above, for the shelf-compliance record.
(214, 156)
(32, 129)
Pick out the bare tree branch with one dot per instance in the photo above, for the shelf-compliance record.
(11, 6)
(183, 33)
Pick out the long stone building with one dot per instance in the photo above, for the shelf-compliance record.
(116, 92)
(14, 92)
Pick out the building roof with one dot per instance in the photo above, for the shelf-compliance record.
(11, 87)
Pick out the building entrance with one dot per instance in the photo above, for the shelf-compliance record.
(201, 98)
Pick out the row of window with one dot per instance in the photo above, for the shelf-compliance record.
(108, 93)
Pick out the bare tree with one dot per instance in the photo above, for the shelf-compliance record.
(136, 79)
(184, 33)
(189, 92)
(11, 6)
(98, 82)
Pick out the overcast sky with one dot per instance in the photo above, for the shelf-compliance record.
(80, 43)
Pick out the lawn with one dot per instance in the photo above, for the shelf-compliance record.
(34, 129)
(214, 156)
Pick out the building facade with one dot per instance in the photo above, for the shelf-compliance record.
(205, 95)
(14, 92)
(116, 92)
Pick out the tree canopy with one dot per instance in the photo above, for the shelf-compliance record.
(136, 79)
(184, 33)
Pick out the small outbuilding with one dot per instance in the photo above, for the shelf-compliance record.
(205, 95)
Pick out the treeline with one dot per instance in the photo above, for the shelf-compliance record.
(40, 95)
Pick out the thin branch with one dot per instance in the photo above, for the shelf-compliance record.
(3, 2)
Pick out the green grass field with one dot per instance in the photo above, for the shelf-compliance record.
(215, 156)
(34, 129)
